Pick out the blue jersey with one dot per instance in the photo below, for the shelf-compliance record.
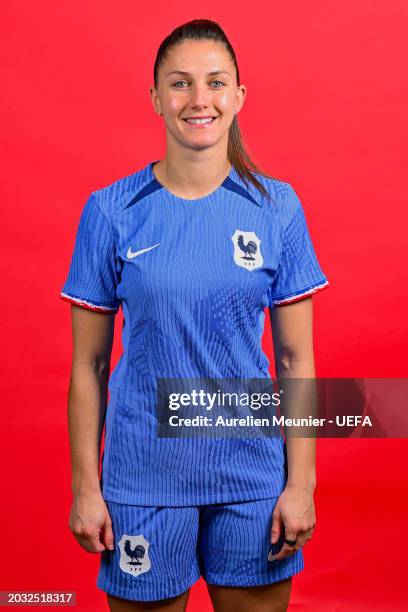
(193, 278)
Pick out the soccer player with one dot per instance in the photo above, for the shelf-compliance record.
(193, 248)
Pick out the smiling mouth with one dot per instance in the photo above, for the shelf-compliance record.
(200, 121)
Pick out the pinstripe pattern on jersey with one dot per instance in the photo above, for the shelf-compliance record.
(189, 311)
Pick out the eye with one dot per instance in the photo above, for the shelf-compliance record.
(214, 81)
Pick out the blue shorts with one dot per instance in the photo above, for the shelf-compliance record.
(160, 552)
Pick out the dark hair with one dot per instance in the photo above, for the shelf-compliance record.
(205, 29)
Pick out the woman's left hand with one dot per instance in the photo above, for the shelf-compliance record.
(295, 511)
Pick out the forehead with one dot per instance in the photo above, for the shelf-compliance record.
(197, 55)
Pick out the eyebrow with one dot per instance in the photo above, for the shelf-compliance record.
(188, 74)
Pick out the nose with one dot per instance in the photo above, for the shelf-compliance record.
(200, 96)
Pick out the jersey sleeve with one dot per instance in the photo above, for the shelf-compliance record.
(299, 274)
(92, 277)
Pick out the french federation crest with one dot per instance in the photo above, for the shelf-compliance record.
(134, 554)
(247, 250)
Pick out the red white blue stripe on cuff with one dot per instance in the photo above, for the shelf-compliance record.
(301, 296)
(86, 303)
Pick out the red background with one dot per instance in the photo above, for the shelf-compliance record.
(325, 111)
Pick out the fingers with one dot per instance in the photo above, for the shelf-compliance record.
(277, 525)
(301, 537)
(277, 531)
(107, 533)
(88, 538)
(287, 549)
(284, 552)
(91, 524)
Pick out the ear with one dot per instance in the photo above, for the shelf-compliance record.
(155, 99)
(240, 98)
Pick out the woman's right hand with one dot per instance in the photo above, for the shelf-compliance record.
(90, 522)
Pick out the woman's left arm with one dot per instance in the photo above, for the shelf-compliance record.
(292, 331)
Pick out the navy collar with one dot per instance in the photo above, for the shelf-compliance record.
(232, 182)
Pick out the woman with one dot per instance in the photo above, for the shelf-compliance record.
(193, 247)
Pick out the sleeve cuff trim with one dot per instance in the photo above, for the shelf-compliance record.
(302, 295)
(87, 303)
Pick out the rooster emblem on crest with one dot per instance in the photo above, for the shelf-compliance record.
(249, 249)
(247, 253)
(137, 553)
(134, 557)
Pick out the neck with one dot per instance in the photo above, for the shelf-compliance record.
(192, 177)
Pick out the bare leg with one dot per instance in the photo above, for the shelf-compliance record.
(173, 604)
(267, 598)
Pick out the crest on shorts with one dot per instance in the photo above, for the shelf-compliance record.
(247, 250)
(134, 554)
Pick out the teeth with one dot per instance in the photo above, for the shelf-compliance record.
(199, 120)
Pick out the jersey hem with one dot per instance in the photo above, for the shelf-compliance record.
(148, 500)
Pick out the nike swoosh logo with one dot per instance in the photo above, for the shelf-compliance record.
(136, 253)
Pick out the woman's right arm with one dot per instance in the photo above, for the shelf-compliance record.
(92, 334)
